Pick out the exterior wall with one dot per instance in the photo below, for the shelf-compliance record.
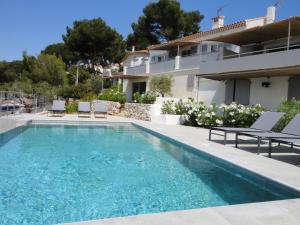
(180, 87)
(269, 97)
(211, 91)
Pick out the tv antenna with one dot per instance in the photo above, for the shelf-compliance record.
(279, 3)
(220, 9)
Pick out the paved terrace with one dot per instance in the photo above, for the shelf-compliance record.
(282, 168)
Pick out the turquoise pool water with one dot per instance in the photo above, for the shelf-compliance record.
(54, 173)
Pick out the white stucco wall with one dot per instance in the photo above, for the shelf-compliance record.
(180, 87)
(211, 91)
(269, 97)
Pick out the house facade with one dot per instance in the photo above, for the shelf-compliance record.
(251, 61)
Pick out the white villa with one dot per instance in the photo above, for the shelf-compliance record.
(252, 61)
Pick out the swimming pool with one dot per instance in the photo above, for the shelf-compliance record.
(63, 173)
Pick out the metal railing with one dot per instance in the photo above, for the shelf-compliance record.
(12, 102)
(259, 52)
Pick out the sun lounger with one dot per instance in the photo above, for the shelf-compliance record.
(264, 123)
(290, 132)
(100, 108)
(84, 109)
(58, 108)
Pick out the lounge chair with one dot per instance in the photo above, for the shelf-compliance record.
(100, 108)
(264, 123)
(84, 109)
(58, 108)
(289, 134)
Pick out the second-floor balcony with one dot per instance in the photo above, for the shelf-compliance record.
(214, 63)
(253, 62)
(137, 70)
(163, 66)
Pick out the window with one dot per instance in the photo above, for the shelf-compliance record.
(214, 48)
(172, 53)
(194, 50)
(237, 91)
(294, 90)
(186, 53)
(138, 87)
(204, 48)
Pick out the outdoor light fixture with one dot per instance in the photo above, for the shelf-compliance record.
(265, 84)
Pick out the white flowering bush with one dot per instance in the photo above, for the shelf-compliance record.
(210, 117)
(192, 110)
(237, 115)
(197, 114)
(168, 107)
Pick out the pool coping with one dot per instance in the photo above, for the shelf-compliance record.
(273, 212)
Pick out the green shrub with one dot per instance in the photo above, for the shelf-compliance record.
(113, 94)
(72, 91)
(168, 107)
(290, 108)
(89, 97)
(72, 107)
(146, 98)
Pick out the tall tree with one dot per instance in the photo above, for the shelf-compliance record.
(95, 42)
(163, 21)
(10, 71)
(61, 50)
(48, 68)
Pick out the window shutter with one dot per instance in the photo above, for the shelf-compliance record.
(229, 88)
(242, 91)
(294, 88)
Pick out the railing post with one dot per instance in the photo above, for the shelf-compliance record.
(177, 62)
(148, 66)
(125, 70)
(289, 35)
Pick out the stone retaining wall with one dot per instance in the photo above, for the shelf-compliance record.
(138, 111)
(113, 107)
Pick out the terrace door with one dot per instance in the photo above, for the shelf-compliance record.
(138, 87)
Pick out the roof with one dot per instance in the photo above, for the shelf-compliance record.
(263, 33)
(144, 51)
(189, 38)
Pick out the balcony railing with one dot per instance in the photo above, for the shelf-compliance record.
(251, 61)
(264, 51)
(136, 70)
(190, 62)
(163, 66)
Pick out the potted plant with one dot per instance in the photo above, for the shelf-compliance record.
(170, 114)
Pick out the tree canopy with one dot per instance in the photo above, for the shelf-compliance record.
(163, 21)
(61, 50)
(161, 84)
(94, 41)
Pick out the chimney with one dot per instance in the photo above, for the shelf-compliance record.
(271, 14)
(133, 48)
(217, 22)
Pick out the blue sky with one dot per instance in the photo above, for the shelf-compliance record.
(31, 25)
